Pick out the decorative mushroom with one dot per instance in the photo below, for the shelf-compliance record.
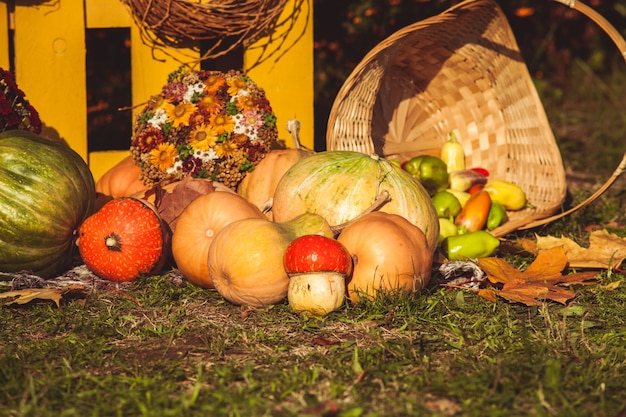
(317, 267)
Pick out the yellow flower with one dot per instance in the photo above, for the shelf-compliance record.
(225, 149)
(203, 138)
(222, 123)
(179, 114)
(163, 156)
(235, 84)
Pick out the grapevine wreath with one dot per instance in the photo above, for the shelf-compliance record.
(221, 25)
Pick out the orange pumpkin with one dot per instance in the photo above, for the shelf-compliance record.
(259, 186)
(198, 225)
(123, 240)
(389, 254)
(122, 180)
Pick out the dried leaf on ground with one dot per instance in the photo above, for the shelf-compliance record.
(606, 250)
(27, 295)
(537, 282)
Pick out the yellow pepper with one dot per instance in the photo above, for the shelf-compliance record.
(510, 195)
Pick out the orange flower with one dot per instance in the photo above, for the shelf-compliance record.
(211, 103)
(214, 82)
(246, 102)
(225, 149)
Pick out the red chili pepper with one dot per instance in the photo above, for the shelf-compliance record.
(476, 188)
(475, 212)
(481, 171)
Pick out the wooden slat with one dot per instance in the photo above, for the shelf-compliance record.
(149, 71)
(107, 14)
(4, 36)
(50, 66)
(288, 82)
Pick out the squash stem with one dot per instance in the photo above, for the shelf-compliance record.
(293, 127)
(112, 242)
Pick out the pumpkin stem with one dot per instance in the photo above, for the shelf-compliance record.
(113, 242)
(293, 127)
(267, 206)
(381, 199)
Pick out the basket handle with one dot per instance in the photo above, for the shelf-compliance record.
(619, 171)
(621, 45)
(600, 21)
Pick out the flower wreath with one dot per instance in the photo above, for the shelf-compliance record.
(207, 124)
(15, 111)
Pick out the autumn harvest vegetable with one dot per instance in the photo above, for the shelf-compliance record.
(246, 257)
(465, 180)
(123, 240)
(259, 186)
(511, 196)
(341, 185)
(121, 180)
(389, 254)
(446, 228)
(452, 154)
(470, 245)
(197, 227)
(46, 191)
(430, 171)
(446, 204)
(317, 267)
(496, 216)
(473, 216)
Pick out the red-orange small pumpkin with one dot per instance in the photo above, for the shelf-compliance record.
(123, 240)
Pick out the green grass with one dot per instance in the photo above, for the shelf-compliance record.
(177, 350)
(159, 347)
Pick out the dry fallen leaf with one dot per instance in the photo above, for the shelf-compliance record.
(170, 204)
(537, 282)
(27, 295)
(606, 250)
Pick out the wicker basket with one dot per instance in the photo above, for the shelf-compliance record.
(460, 71)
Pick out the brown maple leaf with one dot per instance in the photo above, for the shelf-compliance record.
(606, 250)
(540, 281)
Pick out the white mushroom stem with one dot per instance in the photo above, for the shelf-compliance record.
(316, 293)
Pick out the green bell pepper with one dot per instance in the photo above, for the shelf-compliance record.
(496, 216)
(431, 171)
(446, 204)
